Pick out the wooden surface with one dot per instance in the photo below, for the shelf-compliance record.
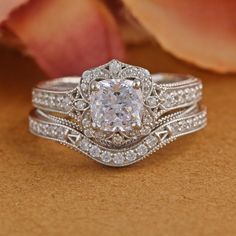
(188, 188)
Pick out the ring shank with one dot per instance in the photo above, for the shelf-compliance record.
(177, 91)
(68, 83)
(192, 120)
(170, 109)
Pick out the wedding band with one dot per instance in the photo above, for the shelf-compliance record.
(117, 114)
(64, 96)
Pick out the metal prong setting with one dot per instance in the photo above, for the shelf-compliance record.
(136, 126)
(95, 126)
(94, 86)
(137, 84)
(163, 108)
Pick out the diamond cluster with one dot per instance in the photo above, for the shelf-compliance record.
(178, 97)
(53, 101)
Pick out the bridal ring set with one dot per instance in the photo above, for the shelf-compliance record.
(117, 114)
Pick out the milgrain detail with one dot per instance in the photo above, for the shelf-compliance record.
(162, 92)
(116, 113)
(158, 138)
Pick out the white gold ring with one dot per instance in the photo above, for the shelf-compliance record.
(117, 113)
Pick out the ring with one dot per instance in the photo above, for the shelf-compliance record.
(116, 113)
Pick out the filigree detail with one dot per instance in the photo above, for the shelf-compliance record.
(134, 112)
(118, 71)
(167, 132)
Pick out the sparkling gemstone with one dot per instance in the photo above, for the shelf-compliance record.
(51, 101)
(114, 67)
(87, 76)
(117, 139)
(142, 150)
(80, 104)
(60, 132)
(66, 102)
(118, 158)
(84, 86)
(84, 145)
(89, 132)
(130, 155)
(94, 151)
(145, 130)
(106, 156)
(152, 101)
(86, 122)
(152, 141)
(116, 105)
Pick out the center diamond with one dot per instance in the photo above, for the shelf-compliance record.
(116, 105)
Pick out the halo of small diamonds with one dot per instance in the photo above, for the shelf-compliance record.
(117, 112)
(129, 82)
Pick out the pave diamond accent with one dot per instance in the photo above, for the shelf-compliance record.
(106, 156)
(80, 104)
(130, 155)
(95, 151)
(84, 145)
(55, 101)
(116, 105)
(142, 150)
(152, 141)
(118, 158)
(121, 157)
(115, 67)
(118, 114)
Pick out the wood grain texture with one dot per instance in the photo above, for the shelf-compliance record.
(188, 188)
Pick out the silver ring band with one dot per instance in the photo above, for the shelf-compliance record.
(174, 91)
(117, 113)
(66, 133)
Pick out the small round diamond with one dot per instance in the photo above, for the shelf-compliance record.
(66, 102)
(152, 101)
(86, 122)
(84, 145)
(152, 141)
(130, 155)
(145, 130)
(94, 151)
(87, 76)
(51, 101)
(117, 139)
(80, 104)
(89, 132)
(60, 132)
(58, 101)
(51, 130)
(147, 119)
(118, 158)
(142, 150)
(83, 87)
(115, 67)
(106, 156)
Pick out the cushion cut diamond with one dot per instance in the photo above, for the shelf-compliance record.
(116, 105)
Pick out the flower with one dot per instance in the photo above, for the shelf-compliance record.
(201, 32)
(64, 37)
(67, 37)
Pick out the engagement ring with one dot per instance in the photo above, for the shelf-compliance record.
(117, 114)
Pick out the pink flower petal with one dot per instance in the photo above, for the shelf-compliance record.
(67, 37)
(7, 6)
(201, 32)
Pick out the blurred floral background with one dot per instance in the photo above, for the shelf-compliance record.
(66, 37)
